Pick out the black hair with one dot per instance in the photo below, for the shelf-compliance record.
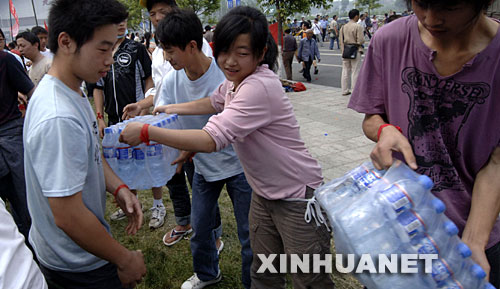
(80, 19)
(5, 40)
(287, 31)
(208, 28)
(11, 45)
(271, 56)
(243, 20)
(478, 5)
(39, 30)
(307, 23)
(180, 27)
(393, 17)
(147, 37)
(30, 37)
(151, 3)
(353, 13)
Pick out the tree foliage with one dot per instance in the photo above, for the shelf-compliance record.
(369, 4)
(200, 7)
(290, 7)
(134, 12)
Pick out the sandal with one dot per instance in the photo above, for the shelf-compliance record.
(176, 235)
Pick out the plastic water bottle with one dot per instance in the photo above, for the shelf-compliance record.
(108, 148)
(474, 277)
(125, 162)
(450, 264)
(340, 191)
(141, 179)
(437, 241)
(406, 194)
(427, 218)
(156, 166)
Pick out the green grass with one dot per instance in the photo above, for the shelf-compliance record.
(168, 267)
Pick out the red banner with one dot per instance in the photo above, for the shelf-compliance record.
(14, 30)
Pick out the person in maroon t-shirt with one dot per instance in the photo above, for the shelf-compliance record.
(436, 75)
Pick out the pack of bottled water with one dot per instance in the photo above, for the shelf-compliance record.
(143, 166)
(394, 212)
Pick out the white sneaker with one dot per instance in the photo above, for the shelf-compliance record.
(157, 216)
(195, 283)
(221, 246)
(118, 215)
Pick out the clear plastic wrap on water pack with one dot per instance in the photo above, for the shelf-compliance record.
(146, 165)
(394, 212)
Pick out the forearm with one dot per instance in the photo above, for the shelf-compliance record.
(83, 227)
(99, 101)
(148, 84)
(111, 179)
(371, 124)
(485, 203)
(197, 107)
(188, 139)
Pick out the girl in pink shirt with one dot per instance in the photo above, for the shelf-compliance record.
(256, 116)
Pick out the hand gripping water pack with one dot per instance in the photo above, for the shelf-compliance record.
(143, 166)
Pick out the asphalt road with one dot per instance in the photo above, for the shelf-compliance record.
(330, 68)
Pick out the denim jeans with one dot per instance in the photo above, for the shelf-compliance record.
(203, 220)
(332, 42)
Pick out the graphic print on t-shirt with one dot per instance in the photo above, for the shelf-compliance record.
(438, 110)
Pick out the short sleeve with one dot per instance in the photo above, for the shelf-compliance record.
(368, 94)
(17, 76)
(248, 111)
(143, 56)
(58, 153)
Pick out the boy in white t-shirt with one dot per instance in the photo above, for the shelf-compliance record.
(66, 177)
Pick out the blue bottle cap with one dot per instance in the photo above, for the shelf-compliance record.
(477, 271)
(450, 228)
(108, 130)
(464, 250)
(438, 205)
(120, 130)
(425, 181)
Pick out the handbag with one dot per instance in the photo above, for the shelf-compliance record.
(350, 50)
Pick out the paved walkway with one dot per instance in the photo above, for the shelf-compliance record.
(331, 131)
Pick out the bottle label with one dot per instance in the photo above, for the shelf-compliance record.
(154, 150)
(366, 181)
(124, 153)
(427, 246)
(108, 152)
(397, 198)
(138, 154)
(440, 271)
(411, 223)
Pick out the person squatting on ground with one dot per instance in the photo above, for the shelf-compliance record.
(255, 115)
(436, 75)
(66, 175)
(351, 33)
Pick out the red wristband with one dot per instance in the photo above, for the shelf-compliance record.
(145, 134)
(119, 188)
(384, 125)
(99, 116)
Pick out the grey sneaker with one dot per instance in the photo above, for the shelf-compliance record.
(157, 216)
(118, 215)
(195, 283)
